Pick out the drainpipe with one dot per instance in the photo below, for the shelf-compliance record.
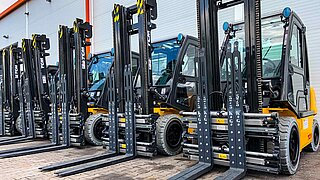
(27, 19)
(87, 14)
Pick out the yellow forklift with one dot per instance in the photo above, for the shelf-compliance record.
(258, 111)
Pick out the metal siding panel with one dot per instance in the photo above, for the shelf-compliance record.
(102, 23)
(47, 20)
(307, 12)
(175, 17)
(14, 26)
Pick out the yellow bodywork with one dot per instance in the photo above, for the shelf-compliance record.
(304, 124)
(165, 111)
(97, 110)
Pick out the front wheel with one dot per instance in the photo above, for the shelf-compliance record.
(289, 145)
(169, 134)
(93, 129)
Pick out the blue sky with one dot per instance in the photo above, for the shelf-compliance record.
(4, 4)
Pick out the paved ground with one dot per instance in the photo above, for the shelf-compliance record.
(26, 167)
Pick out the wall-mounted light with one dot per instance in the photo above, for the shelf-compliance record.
(27, 13)
(6, 36)
(48, 1)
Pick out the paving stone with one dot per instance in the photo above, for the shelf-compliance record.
(161, 167)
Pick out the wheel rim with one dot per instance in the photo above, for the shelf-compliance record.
(174, 134)
(316, 136)
(294, 146)
(98, 129)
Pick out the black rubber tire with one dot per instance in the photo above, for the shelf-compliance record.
(289, 140)
(165, 123)
(314, 145)
(89, 129)
(18, 124)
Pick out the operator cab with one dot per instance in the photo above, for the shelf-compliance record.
(173, 72)
(285, 71)
(98, 70)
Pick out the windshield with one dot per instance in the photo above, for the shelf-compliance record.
(98, 70)
(272, 39)
(164, 59)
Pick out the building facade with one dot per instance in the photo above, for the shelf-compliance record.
(174, 17)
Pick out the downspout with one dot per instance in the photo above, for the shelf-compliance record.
(87, 9)
(27, 19)
(92, 23)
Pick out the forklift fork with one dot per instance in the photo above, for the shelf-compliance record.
(205, 163)
(55, 145)
(112, 157)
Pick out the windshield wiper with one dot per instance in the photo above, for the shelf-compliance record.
(267, 52)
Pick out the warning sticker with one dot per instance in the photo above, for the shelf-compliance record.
(220, 121)
(223, 156)
(305, 123)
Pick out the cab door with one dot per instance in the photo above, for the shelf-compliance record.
(298, 80)
(183, 89)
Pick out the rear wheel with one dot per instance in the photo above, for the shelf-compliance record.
(169, 134)
(289, 145)
(93, 129)
(314, 145)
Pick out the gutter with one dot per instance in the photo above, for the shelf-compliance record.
(12, 8)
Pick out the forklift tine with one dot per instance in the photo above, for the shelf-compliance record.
(232, 173)
(33, 151)
(193, 172)
(13, 141)
(24, 149)
(7, 138)
(77, 161)
(94, 165)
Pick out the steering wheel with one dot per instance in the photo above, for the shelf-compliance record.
(270, 61)
(167, 70)
(269, 68)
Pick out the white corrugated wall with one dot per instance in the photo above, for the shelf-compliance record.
(43, 18)
(174, 17)
(47, 21)
(13, 26)
(307, 10)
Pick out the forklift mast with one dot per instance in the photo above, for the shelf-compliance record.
(74, 77)
(10, 100)
(209, 45)
(123, 20)
(81, 31)
(15, 56)
(144, 29)
(29, 74)
(36, 83)
(122, 52)
(252, 9)
(40, 45)
(6, 77)
(65, 70)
